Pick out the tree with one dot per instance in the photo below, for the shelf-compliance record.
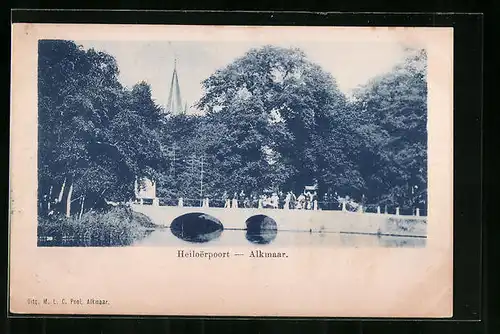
(395, 134)
(275, 111)
(179, 172)
(237, 152)
(94, 136)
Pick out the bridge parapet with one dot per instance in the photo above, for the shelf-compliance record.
(259, 204)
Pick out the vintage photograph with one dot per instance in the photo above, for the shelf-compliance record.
(231, 171)
(223, 143)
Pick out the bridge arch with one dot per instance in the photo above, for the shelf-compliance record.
(261, 229)
(196, 227)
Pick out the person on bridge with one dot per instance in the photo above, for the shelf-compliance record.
(342, 202)
(326, 198)
(275, 201)
(308, 197)
(288, 198)
(266, 202)
(334, 199)
(301, 201)
(254, 201)
(314, 200)
(235, 201)
(225, 200)
(247, 203)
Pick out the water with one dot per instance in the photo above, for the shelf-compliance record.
(231, 238)
(163, 237)
(201, 229)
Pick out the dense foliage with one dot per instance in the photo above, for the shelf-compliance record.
(94, 135)
(271, 119)
(393, 107)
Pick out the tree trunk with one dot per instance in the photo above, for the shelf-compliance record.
(81, 207)
(61, 192)
(49, 199)
(68, 201)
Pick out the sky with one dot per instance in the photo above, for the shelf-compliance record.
(351, 63)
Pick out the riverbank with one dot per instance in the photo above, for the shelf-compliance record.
(120, 226)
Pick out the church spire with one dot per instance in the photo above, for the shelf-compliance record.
(174, 104)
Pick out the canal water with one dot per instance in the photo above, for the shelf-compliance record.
(202, 229)
(231, 238)
(164, 237)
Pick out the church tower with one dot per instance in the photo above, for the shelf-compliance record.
(174, 104)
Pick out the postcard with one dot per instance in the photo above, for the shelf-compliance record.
(245, 171)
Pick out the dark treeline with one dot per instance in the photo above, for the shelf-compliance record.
(271, 120)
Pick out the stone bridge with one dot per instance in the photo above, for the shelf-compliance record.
(297, 220)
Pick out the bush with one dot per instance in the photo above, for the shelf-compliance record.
(119, 226)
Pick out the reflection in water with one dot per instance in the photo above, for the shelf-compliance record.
(92, 240)
(261, 229)
(165, 237)
(232, 238)
(264, 237)
(391, 241)
(196, 227)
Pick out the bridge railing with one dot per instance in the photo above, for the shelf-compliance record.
(292, 205)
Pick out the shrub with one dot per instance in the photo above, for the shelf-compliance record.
(119, 226)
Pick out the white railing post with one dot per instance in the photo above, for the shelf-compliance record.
(417, 212)
(315, 205)
(378, 209)
(141, 201)
(343, 207)
(260, 203)
(180, 203)
(156, 201)
(397, 211)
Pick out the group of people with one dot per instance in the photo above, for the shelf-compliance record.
(277, 200)
(307, 200)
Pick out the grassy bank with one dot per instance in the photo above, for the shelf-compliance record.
(119, 226)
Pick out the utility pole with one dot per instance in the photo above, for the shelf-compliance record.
(201, 178)
(171, 153)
